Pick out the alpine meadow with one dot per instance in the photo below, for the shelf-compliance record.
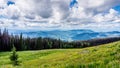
(59, 33)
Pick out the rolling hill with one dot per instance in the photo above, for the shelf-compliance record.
(70, 35)
(103, 56)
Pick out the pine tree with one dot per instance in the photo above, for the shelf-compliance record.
(14, 56)
(49, 44)
(21, 42)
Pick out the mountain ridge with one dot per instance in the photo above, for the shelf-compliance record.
(70, 35)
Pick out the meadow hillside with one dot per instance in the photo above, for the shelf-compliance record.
(103, 56)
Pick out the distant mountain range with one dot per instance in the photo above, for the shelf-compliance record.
(70, 35)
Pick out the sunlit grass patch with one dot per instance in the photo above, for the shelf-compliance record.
(103, 56)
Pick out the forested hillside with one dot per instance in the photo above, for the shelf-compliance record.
(8, 40)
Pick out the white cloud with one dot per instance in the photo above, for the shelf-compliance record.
(47, 14)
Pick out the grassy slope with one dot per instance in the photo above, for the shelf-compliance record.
(104, 56)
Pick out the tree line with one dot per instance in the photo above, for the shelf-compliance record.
(8, 40)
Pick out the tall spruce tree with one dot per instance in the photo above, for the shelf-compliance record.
(21, 42)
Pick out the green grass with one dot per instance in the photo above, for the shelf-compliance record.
(103, 56)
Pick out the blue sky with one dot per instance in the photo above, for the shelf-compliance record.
(96, 15)
(10, 3)
(117, 8)
(72, 3)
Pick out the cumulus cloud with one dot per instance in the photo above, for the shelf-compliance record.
(45, 14)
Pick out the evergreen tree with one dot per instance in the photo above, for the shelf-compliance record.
(21, 42)
(14, 56)
(49, 44)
